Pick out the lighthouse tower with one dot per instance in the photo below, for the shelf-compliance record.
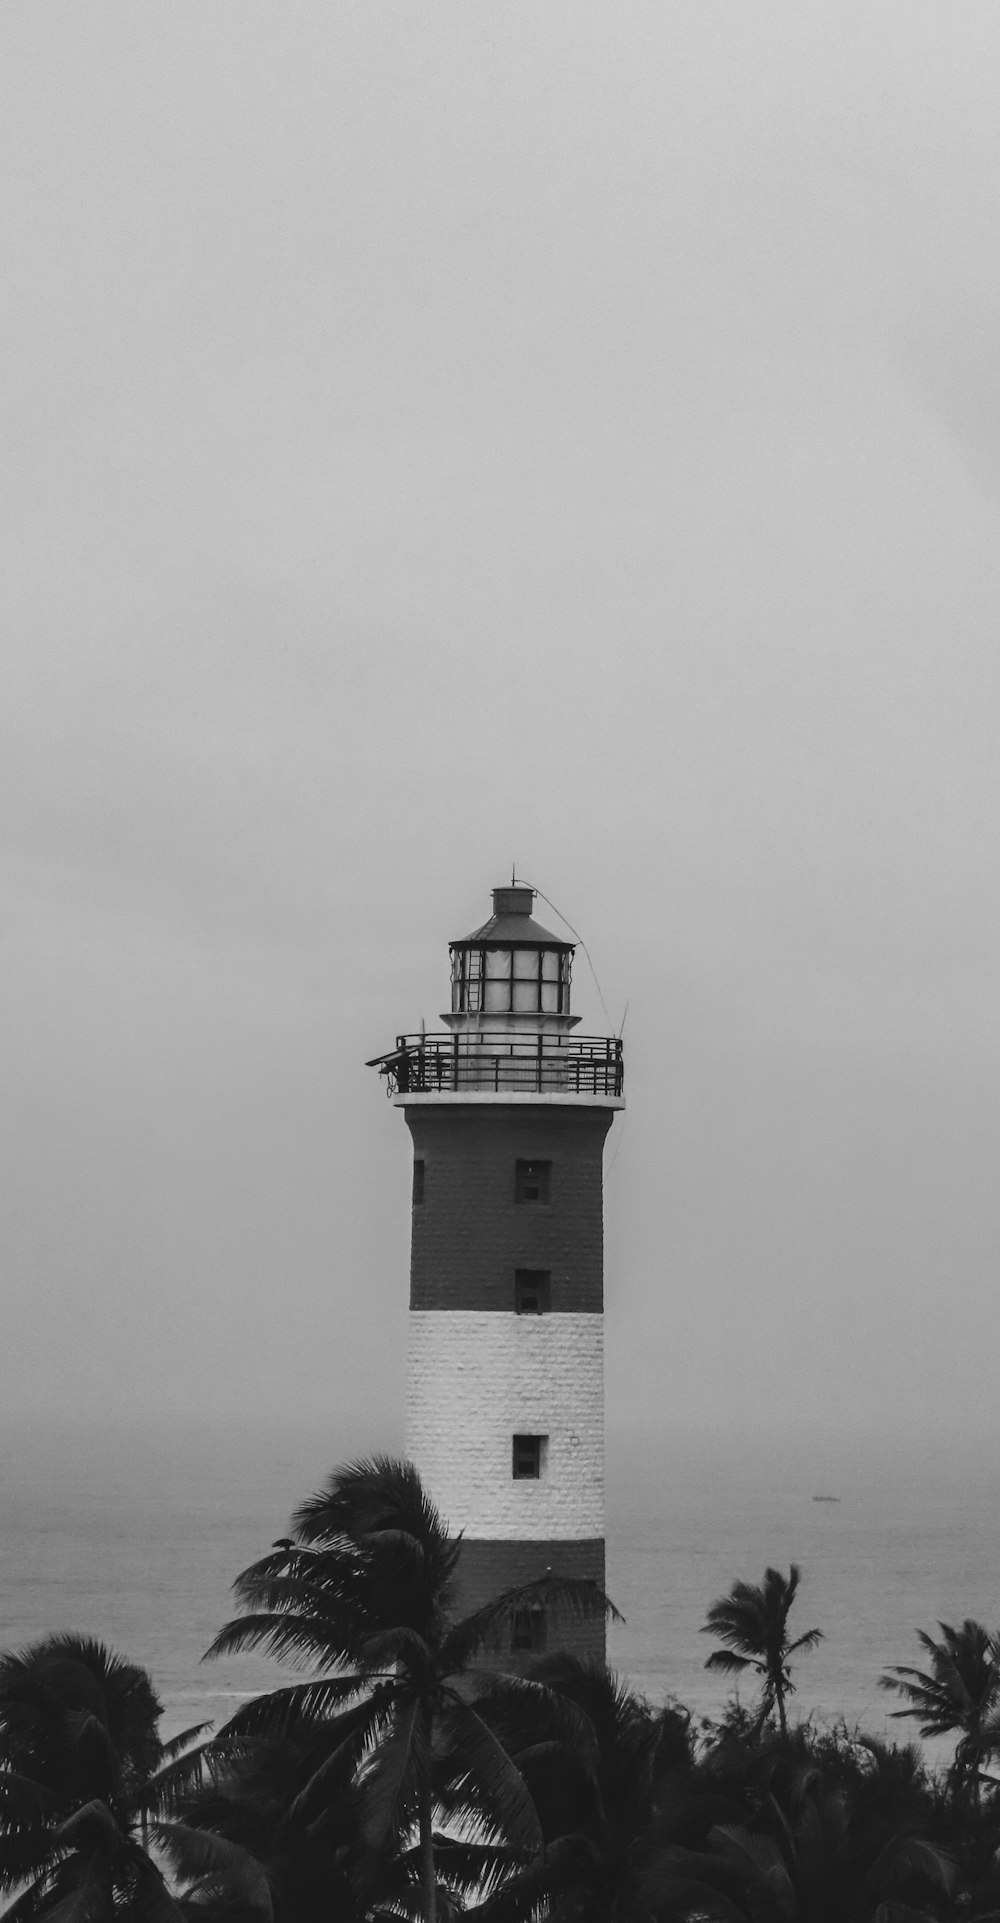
(508, 1111)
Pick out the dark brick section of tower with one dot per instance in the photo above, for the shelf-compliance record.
(470, 1234)
(487, 1568)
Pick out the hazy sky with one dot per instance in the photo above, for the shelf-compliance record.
(447, 435)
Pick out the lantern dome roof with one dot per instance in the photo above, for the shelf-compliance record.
(512, 924)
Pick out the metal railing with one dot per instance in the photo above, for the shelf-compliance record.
(475, 1061)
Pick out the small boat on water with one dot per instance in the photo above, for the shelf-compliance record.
(826, 1498)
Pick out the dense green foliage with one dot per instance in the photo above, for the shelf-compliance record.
(405, 1773)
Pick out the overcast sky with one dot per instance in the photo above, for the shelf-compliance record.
(444, 436)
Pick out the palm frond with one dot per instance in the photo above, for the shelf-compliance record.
(22, 1799)
(285, 1712)
(760, 1859)
(534, 1891)
(913, 1856)
(215, 1866)
(399, 1542)
(960, 1691)
(352, 1734)
(78, 1893)
(178, 1744)
(105, 1705)
(527, 1709)
(168, 1788)
(386, 1648)
(389, 1785)
(811, 1640)
(295, 1637)
(683, 1884)
(369, 1496)
(332, 1583)
(152, 1901)
(31, 1901)
(471, 1869)
(91, 1822)
(479, 1764)
(730, 1663)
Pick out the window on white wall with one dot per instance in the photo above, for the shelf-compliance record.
(528, 1457)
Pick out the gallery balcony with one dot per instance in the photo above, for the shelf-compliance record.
(478, 1062)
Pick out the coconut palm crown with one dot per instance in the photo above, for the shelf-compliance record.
(80, 1756)
(958, 1694)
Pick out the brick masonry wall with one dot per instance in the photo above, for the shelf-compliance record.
(469, 1234)
(486, 1568)
(475, 1380)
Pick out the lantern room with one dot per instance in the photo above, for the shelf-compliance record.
(511, 966)
(509, 1022)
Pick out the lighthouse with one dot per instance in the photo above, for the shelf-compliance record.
(508, 1109)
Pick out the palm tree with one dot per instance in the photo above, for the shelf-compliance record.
(249, 1805)
(825, 1865)
(79, 1751)
(753, 1623)
(362, 1594)
(597, 1760)
(960, 1692)
(239, 1800)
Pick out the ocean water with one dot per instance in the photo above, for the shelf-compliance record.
(135, 1535)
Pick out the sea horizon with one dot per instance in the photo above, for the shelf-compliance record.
(134, 1530)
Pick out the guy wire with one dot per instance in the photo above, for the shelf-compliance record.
(583, 945)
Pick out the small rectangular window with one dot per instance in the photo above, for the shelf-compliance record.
(418, 1182)
(532, 1291)
(532, 1181)
(528, 1458)
(529, 1630)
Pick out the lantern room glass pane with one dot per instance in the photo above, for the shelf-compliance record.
(526, 964)
(550, 964)
(526, 997)
(498, 963)
(497, 997)
(550, 998)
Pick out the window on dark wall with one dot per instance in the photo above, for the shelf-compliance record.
(529, 1630)
(532, 1181)
(528, 1458)
(532, 1291)
(418, 1182)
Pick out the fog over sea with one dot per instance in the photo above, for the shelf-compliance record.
(134, 1534)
